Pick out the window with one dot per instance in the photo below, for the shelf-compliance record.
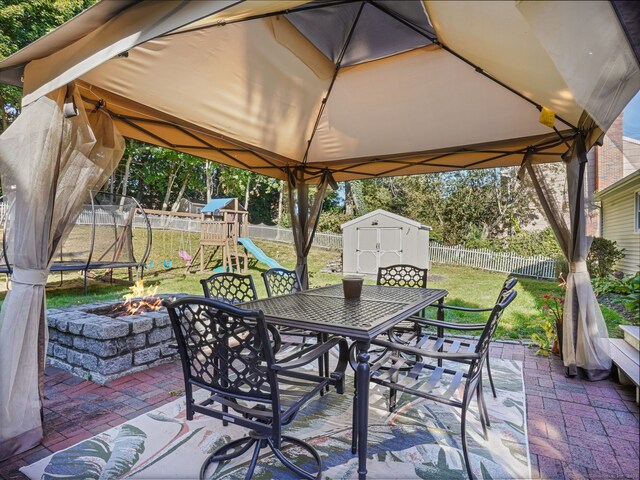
(637, 212)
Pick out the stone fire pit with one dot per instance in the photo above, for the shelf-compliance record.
(87, 342)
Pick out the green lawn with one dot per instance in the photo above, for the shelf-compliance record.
(467, 287)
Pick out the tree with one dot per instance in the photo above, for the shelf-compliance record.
(211, 179)
(459, 206)
(350, 201)
(22, 22)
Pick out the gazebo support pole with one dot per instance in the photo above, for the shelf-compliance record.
(304, 216)
(303, 219)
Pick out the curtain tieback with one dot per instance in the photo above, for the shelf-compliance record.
(578, 267)
(28, 276)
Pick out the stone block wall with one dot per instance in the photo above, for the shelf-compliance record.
(100, 348)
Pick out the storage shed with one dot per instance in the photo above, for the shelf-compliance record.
(380, 239)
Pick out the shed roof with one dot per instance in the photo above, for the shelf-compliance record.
(394, 216)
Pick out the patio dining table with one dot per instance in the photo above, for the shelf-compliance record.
(325, 310)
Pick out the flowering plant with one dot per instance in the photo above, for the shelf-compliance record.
(553, 311)
(553, 307)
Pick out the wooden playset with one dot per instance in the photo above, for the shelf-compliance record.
(223, 221)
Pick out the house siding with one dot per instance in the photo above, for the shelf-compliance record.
(618, 210)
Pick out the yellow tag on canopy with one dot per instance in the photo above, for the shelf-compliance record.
(547, 117)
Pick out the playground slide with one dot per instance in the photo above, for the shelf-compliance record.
(258, 253)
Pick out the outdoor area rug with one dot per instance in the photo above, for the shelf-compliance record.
(420, 440)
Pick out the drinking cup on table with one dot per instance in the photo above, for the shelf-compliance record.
(352, 286)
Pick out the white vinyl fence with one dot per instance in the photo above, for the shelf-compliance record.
(187, 224)
(536, 266)
(285, 235)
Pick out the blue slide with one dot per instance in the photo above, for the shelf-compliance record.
(253, 249)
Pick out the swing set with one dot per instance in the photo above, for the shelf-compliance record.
(161, 225)
(222, 222)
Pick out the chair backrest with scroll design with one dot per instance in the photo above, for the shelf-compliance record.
(402, 276)
(224, 349)
(280, 281)
(229, 288)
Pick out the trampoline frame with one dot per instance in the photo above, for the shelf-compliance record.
(85, 267)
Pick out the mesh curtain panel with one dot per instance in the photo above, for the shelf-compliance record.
(50, 161)
(585, 343)
(304, 217)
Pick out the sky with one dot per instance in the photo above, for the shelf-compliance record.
(631, 118)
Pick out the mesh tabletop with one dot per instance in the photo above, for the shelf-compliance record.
(379, 293)
(326, 310)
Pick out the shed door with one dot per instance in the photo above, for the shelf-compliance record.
(378, 247)
(367, 250)
(390, 247)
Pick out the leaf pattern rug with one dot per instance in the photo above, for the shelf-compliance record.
(420, 440)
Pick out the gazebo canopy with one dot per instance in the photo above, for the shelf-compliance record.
(361, 88)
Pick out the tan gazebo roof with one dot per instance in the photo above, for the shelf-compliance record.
(360, 88)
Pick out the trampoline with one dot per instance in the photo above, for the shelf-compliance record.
(111, 232)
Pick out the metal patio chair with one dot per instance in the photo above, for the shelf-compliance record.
(404, 368)
(229, 352)
(233, 288)
(280, 281)
(408, 276)
(442, 325)
(402, 276)
(230, 288)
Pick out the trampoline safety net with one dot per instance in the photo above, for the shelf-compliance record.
(112, 231)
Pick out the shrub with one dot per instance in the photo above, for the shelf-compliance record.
(562, 265)
(604, 285)
(545, 340)
(602, 257)
(629, 287)
(541, 243)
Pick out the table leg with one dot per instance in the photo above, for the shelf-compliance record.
(362, 380)
(440, 329)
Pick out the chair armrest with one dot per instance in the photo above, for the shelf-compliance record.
(313, 354)
(426, 353)
(427, 322)
(465, 309)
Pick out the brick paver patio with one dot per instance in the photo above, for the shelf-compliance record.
(577, 429)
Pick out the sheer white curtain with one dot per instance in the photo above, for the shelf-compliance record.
(585, 345)
(50, 158)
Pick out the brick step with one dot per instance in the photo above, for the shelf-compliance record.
(632, 335)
